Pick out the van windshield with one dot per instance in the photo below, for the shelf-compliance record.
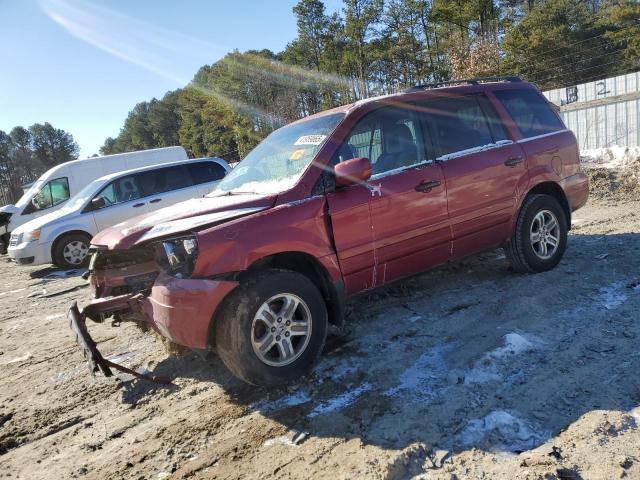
(278, 162)
(80, 199)
(28, 195)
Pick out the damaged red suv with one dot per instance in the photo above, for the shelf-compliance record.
(335, 204)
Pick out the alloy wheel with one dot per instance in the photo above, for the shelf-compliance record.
(545, 234)
(281, 329)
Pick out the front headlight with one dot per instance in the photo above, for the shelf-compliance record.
(177, 256)
(32, 235)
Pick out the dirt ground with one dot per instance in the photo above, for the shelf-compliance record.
(468, 371)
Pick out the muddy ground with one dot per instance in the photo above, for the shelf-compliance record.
(468, 371)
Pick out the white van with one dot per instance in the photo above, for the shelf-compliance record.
(58, 184)
(63, 237)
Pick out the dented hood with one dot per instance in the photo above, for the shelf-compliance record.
(188, 216)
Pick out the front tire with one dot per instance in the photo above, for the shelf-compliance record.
(540, 237)
(71, 251)
(272, 328)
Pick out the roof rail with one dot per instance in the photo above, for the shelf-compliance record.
(470, 81)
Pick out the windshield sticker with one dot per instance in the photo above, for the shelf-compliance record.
(310, 140)
(297, 154)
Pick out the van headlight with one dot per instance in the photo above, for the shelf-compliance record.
(31, 236)
(177, 256)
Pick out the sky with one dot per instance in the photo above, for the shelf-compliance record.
(82, 66)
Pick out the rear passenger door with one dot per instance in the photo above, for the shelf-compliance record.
(482, 169)
(168, 186)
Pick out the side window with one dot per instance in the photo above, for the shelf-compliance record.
(203, 172)
(530, 111)
(388, 137)
(497, 128)
(51, 194)
(457, 124)
(120, 190)
(173, 178)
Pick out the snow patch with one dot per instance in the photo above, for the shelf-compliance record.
(503, 430)
(339, 402)
(487, 368)
(613, 157)
(292, 400)
(426, 378)
(613, 296)
(24, 358)
(635, 413)
(18, 290)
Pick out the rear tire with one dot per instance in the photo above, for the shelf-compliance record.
(540, 237)
(71, 251)
(272, 328)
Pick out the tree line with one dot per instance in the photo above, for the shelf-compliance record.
(377, 47)
(26, 153)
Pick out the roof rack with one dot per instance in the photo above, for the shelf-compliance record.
(471, 81)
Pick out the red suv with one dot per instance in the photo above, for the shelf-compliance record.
(334, 204)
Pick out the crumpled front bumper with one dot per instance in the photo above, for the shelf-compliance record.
(178, 309)
(95, 310)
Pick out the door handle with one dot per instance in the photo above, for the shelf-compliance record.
(138, 205)
(426, 187)
(513, 161)
(155, 200)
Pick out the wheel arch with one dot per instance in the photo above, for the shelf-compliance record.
(554, 190)
(60, 236)
(309, 266)
(333, 292)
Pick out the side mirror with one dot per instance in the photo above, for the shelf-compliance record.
(352, 171)
(98, 203)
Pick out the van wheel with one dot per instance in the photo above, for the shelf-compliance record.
(71, 251)
(540, 236)
(272, 328)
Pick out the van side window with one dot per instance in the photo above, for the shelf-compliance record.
(173, 178)
(163, 180)
(52, 193)
(388, 137)
(203, 172)
(120, 190)
(530, 111)
(457, 124)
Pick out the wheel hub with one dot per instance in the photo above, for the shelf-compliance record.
(545, 234)
(281, 329)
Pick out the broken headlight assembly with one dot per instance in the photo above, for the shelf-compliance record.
(177, 256)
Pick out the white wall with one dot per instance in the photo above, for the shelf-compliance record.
(607, 123)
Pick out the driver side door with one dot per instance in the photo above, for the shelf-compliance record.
(123, 200)
(397, 223)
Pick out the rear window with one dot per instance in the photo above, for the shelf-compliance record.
(531, 112)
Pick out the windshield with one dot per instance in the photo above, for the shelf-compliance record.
(24, 199)
(278, 162)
